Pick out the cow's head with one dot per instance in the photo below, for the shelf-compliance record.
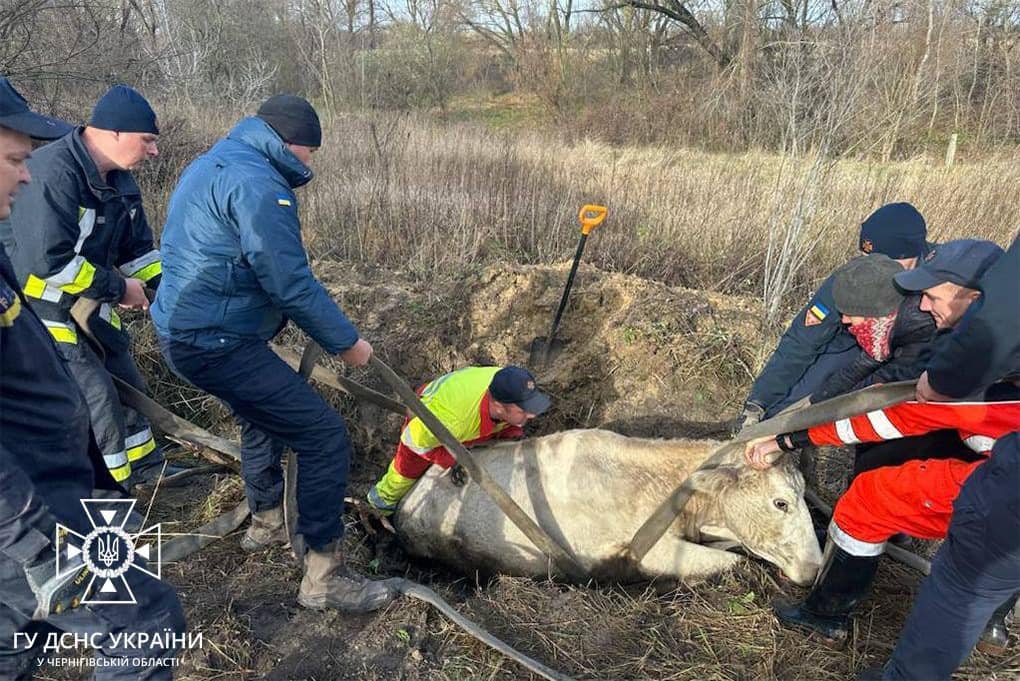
(763, 510)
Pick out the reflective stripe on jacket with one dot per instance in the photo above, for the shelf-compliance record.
(73, 234)
(978, 423)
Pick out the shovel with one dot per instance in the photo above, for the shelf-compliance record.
(591, 216)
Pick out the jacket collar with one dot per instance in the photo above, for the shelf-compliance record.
(118, 182)
(485, 425)
(256, 133)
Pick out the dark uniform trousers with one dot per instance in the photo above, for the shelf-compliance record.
(122, 433)
(48, 463)
(976, 570)
(275, 407)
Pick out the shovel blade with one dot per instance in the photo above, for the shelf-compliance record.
(541, 351)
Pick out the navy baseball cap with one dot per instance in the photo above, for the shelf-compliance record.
(514, 385)
(897, 230)
(16, 115)
(961, 262)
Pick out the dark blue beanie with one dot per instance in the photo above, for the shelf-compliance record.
(122, 109)
(896, 230)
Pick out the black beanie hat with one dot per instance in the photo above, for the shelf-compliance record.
(123, 109)
(897, 230)
(293, 119)
(864, 286)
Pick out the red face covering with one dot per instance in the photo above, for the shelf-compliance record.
(873, 335)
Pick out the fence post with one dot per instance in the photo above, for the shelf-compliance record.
(951, 149)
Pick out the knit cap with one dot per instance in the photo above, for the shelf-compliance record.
(864, 286)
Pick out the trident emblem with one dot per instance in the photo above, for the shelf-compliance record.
(108, 549)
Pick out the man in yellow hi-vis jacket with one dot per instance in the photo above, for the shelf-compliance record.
(475, 404)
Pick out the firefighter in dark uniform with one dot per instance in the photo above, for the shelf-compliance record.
(78, 230)
(817, 344)
(48, 463)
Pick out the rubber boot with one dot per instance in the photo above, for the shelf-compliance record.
(328, 583)
(842, 582)
(996, 634)
(267, 528)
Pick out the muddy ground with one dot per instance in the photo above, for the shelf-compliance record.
(642, 358)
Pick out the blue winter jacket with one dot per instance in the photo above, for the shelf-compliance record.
(234, 266)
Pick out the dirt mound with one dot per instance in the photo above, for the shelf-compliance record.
(639, 355)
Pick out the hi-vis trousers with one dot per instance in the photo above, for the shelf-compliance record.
(124, 436)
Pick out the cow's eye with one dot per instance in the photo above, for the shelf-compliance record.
(781, 505)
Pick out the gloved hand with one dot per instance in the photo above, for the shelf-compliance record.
(752, 414)
(458, 476)
(54, 594)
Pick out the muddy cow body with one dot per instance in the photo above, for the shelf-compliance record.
(592, 489)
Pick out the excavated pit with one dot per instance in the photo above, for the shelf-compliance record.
(642, 358)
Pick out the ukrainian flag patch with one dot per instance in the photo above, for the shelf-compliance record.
(819, 311)
(283, 200)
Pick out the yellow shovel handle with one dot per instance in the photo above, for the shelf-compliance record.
(591, 216)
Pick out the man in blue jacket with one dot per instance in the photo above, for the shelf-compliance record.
(234, 271)
(817, 344)
(48, 464)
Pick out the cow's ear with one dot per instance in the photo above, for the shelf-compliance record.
(711, 480)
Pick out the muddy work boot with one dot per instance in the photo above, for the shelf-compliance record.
(995, 637)
(267, 528)
(328, 583)
(842, 582)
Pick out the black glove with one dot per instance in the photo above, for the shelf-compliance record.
(458, 476)
(54, 594)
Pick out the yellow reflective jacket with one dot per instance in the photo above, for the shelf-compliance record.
(460, 400)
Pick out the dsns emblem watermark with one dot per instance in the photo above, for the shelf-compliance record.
(110, 550)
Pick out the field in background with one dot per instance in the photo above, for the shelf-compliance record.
(409, 193)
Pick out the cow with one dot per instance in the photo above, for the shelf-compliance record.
(592, 489)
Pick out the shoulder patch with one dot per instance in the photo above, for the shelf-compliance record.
(815, 314)
(283, 200)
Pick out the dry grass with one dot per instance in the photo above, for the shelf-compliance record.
(433, 204)
(409, 193)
